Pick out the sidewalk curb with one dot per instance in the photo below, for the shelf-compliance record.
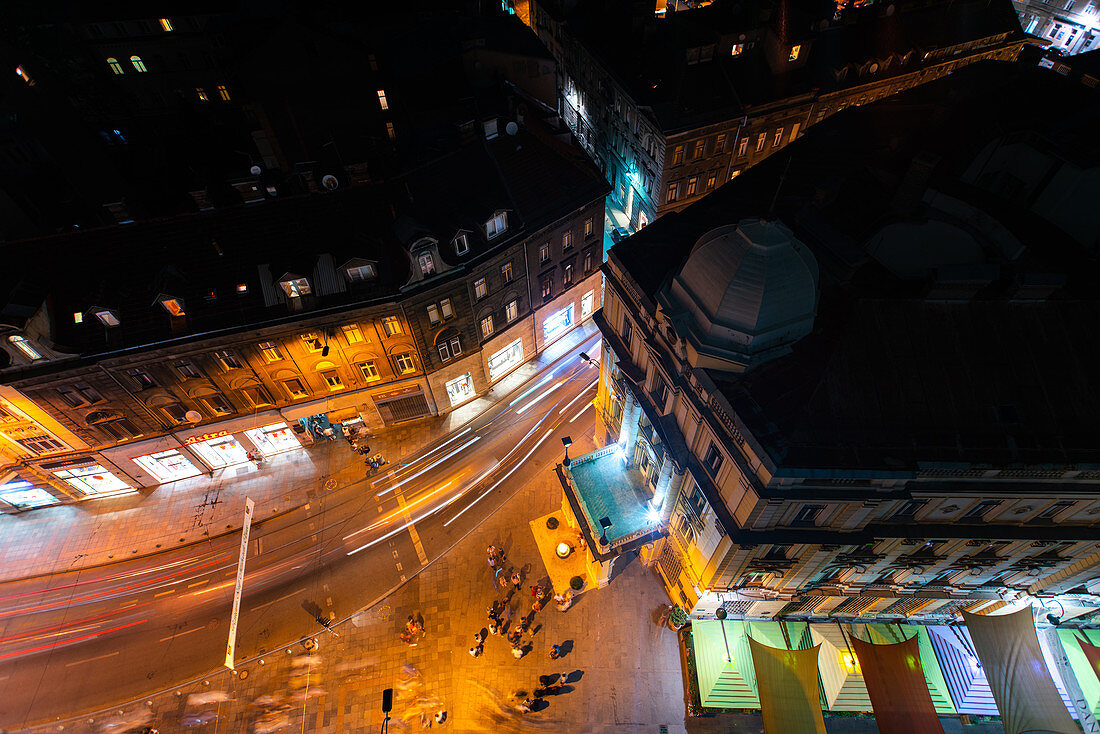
(277, 515)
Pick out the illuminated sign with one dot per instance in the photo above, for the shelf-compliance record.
(206, 437)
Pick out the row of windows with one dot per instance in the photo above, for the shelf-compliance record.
(511, 313)
(681, 189)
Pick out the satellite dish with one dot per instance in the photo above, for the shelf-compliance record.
(193, 416)
(255, 170)
(330, 182)
(511, 128)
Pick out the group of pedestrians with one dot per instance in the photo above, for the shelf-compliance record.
(413, 632)
(357, 441)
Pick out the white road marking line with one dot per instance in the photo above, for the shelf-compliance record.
(464, 446)
(497, 483)
(281, 598)
(101, 657)
(181, 634)
(580, 412)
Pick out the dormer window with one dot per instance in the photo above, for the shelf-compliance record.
(296, 287)
(427, 263)
(107, 318)
(496, 225)
(139, 65)
(462, 245)
(174, 306)
(115, 66)
(737, 49)
(166, 25)
(795, 51)
(25, 347)
(359, 273)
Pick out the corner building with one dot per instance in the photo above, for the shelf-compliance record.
(144, 353)
(868, 396)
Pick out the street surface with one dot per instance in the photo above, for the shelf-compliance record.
(81, 641)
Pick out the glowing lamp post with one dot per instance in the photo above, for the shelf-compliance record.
(567, 441)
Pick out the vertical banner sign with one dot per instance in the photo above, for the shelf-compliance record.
(249, 506)
(1061, 661)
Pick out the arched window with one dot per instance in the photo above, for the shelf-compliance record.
(115, 66)
(138, 63)
(427, 263)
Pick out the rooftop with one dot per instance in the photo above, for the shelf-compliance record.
(681, 66)
(991, 366)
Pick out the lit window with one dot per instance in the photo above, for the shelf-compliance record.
(296, 287)
(218, 404)
(711, 179)
(370, 370)
(201, 94)
(332, 377)
(671, 193)
(735, 173)
(390, 132)
(187, 369)
(588, 261)
(360, 273)
(743, 146)
(382, 102)
(352, 333)
(544, 253)
(25, 347)
(138, 63)
(228, 359)
(223, 92)
(392, 325)
(78, 318)
(107, 318)
(270, 351)
(256, 395)
(427, 264)
(480, 289)
(511, 311)
(566, 240)
(313, 342)
(720, 143)
(697, 153)
(242, 288)
(692, 183)
(677, 155)
(445, 308)
(115, 66)
(173, 306)
(506, 272)
(588, 228)
(496, 225)
(405, 363)
(487, 327)
(166, 24)
(795, 50)
(794, 131)
(461, 245)
(737, 49)
(547, 287)
(567, 277)
(433, 313)
(778, 137)
(295, 387)
(22, 73)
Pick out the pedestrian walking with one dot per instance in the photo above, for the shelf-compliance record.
(479, 637)
(525, 706)
(475, 651)
(536, 606)
(492, 553)
(492, 627)
(562, 679)
(440, 716)
(555, 652)
(516, 580)
(517, 651)
(534, 591)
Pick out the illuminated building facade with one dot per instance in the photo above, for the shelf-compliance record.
(262, 327)
(869, 396)
(672, 105)
(1070, 26)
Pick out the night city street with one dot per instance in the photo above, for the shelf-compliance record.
(595, 366)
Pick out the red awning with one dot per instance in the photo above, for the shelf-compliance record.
(895, 682)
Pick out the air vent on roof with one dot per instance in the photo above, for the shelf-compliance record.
(511, 128)
(330, 182)
(255, 170)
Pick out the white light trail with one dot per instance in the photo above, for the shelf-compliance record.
(434, 464)
(581, 395)
(497, 483)
(540, 397)
(580, 412)
(536, 387)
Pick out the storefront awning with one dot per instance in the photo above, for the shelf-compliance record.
(896, 685)
(1026, 696)
(788, 684)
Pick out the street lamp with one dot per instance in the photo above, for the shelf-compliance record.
(568, 442)
(387, 706)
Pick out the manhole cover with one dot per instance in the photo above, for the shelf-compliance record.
(384, 613)
(330, 484)
(213, 624)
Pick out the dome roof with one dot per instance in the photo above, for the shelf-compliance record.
(749, 287)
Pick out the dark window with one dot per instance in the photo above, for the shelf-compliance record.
(978, 511)
(628, 332)
(71, 397)
(228, 359)
(119, 429)
(175, 412)
(141, 378)
(807, 514)
(218, 404)
(187, 369)
(1056, 508)
(713, 459)
(444, 352)
(257, 395)
(909, 509)
(456, 346)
